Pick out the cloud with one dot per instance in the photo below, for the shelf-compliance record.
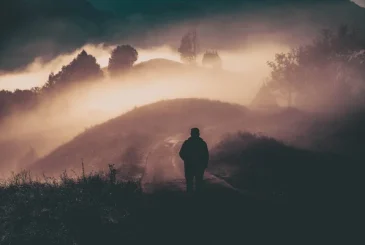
(39, 31)
(45, 29)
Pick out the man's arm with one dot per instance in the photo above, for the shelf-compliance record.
(182, 152)
(206, 154)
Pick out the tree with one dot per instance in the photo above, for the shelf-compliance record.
(122, 58)
(328, 71)
(83, 68)
(188, 48)
(212, 59)
(17, 101)
(283, 74)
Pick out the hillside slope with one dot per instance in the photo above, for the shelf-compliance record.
(125, 140)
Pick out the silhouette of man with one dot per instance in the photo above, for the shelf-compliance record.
(194, 152)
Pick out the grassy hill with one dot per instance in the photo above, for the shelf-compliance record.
(124, 140)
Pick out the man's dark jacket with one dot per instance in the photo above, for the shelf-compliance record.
(195, 152)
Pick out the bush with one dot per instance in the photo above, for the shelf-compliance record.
(262, 164)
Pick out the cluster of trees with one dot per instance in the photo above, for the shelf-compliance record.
(189, 48)
(329, 71)
(189, 51)
(83, 69)
(19, 99)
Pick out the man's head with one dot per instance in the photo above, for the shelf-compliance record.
(194, 132)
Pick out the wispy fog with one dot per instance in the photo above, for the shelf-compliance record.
(157, 75)
(251, 60)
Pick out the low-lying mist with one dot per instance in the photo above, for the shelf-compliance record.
(158, 75)
(251, 60)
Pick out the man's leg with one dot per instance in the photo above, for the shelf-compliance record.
(189, 183)
(199, 179)
(189, 177)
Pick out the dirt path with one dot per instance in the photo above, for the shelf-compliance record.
(164, 169)
(210, 218)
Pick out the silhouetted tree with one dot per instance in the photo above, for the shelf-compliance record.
(36, 90)
(283, 74)
(330, 70)
(122, 58)
(17, 100)
(188, 47)
(5, 102)
(212, 59)
(82, 68)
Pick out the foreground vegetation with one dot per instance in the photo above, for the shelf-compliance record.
(264, 165)
(312, 187)
(66, 210)
(98, 209)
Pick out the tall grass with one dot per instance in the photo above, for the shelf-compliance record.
(67, 210)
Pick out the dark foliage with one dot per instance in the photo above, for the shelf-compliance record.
(188, 47)
(85, 210)
(99, 209)
(264, 165)
(326, 73)
(122, 59)
(17, 100)
(82, 69)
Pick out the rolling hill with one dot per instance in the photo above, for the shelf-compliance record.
(126, 139)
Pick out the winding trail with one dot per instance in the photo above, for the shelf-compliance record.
(210, 218)
(164, 169)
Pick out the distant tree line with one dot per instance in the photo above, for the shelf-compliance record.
(189, 51)
(83, 69)
(329, 71)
